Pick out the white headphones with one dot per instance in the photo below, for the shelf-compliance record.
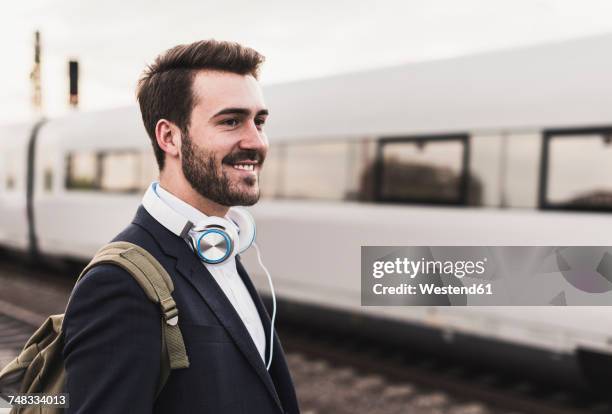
(214, 239)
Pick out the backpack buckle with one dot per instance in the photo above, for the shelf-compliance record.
(170, 311)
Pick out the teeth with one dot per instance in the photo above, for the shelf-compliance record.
(246, 167)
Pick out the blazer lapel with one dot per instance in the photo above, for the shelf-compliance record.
(196, 273)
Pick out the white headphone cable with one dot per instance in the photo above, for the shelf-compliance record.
(273, 306)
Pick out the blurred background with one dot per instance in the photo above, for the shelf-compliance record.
(398, 123)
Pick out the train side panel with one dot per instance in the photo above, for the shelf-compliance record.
(313, 252)
(14, 142)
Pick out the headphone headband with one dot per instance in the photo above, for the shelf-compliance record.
(167, 217)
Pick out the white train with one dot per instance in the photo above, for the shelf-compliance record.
(503, 148)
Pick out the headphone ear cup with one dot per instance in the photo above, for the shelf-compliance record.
(215, 227)
(246, 227)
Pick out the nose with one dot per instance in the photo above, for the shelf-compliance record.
(254, 138)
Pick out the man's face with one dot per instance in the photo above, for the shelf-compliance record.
(225, 148)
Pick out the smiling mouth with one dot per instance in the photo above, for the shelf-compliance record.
(244, 167)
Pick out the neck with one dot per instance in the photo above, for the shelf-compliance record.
(183, 190)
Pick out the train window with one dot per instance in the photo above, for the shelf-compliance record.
(429, 170)
(315, 170)
(120, 172)
(522, 162)
(126, 171)
(48, 179)
(360, 182)
(12, 171)
(10, 182)
(486, 170)
(82, 171)
(577, 170)
(46, 161)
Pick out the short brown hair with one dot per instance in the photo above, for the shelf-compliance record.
(165, 87)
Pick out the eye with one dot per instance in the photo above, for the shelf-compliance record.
(260, 122)
(231, 122)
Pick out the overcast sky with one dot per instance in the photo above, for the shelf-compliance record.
(114, 39)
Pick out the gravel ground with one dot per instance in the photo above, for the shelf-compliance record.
(324, 388)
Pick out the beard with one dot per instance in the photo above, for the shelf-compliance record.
(200, 169)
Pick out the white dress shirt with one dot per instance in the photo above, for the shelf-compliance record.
(225, 274)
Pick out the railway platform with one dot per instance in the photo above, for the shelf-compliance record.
(325, 382)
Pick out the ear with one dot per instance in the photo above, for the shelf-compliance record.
(168, 137)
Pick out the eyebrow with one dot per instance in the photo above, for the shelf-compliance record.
(239, 111)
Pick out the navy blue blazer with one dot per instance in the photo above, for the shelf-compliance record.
(112, 340)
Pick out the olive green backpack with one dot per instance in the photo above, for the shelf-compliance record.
(39, 368)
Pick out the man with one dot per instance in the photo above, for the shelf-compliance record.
(204, 112)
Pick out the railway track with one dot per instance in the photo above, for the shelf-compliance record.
(487, 390)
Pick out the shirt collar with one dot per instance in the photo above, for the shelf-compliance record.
(184, 209)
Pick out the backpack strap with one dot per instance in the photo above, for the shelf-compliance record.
(158, 287)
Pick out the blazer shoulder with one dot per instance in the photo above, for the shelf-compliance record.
(107, 282)
(139, 235)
